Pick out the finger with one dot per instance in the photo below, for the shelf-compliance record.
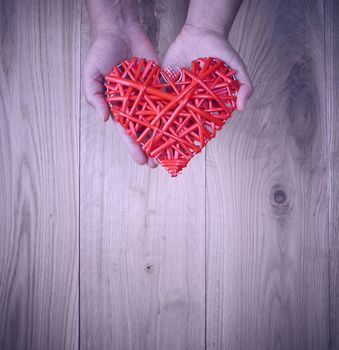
(246, 88)
(149, 54)
(94, 92)
(244, 94)
(97, 101)
(134, 149)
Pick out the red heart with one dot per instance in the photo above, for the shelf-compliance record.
(171, 116)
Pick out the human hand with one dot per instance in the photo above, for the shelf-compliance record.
(195, 42)
(110, 46)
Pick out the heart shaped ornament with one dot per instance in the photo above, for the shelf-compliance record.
(172, 112)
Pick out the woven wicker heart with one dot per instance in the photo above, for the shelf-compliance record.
(172, 116)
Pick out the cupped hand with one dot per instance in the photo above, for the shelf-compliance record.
(195, 42)
(109, 48)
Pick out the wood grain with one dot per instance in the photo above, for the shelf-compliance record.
(39, 75)
(267, 200)
(332, 119)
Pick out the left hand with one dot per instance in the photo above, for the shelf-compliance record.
(195, 42)
(108, 49)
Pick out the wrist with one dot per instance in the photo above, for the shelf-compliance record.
(122, 29)
(211, 26)
(108, 17)
(217, 16)
(199, 29)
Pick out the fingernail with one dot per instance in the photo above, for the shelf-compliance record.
(104, 115)
(242, 108)
(152, 163)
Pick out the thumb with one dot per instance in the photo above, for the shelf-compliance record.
(246, 88)
(171, 60)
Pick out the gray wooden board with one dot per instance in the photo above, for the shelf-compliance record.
(142, 238)
(39, 104)
(332, 120)
(267, 200)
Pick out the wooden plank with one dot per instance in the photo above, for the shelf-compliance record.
(181, 223)
(332, 120)
(39, 74)
(142, 238)
(267, 203)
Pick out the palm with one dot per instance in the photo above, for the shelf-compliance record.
(193, 43)
(104, 54)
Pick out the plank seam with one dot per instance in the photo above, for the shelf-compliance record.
(80, 4)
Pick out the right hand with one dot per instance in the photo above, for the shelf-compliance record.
(194, 42)
(109, 48)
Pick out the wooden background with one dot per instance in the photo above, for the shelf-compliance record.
(241, 251)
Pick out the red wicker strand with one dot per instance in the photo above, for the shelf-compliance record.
(171, 113)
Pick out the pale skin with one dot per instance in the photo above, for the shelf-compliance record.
(119, 35)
